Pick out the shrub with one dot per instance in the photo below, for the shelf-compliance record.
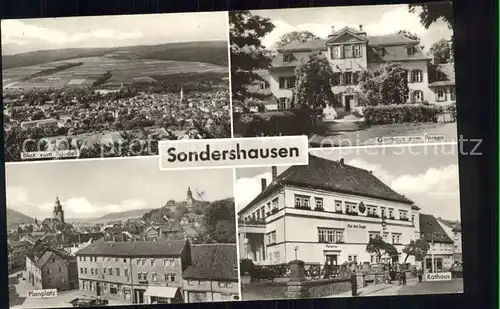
(402, 113)
(274, 123)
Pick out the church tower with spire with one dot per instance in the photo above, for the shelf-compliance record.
(58, 210)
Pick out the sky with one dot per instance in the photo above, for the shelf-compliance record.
(376, 20)
(426, 175)
(98, 187)
(24, 35)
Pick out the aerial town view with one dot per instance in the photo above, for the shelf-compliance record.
(113, 97)
(153, 239)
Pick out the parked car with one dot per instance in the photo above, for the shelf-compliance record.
(89, 302)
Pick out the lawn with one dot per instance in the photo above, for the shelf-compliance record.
(335, 134)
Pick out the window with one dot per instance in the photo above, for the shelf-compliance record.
(453, 95)
(349, 78)
(125, 272)
(441, 95)
(263, 212)
(319, 202)
(125, 260)
(410, 51)
(348, 51)
(143, 262)
(357, 51)
(172, 277)
(371, 210)
(152, 262)
(287, 58)
(190, 282)
(91, 271)
(270, 254)
(385, 236)
(352, 258)
(403, 215)
(110, 270)
(329, 235)
(337, 79)
(105, 271)
(60, 269)
(275, 203)
(286, 82)
(406, 97)
(271, 238)
(338, 206)
(396, 238)
(382, 212)
(416, 76)
(282, 104)
(117, 271)
(276, 256)
(391, 213)
(81, 270)
(302, 201)
(201, 282)
(418, 96)
(336, 52)
(373, 234)
(351, 207)
(85, 270)
(262, 85)
(413, 219)
(154, 277)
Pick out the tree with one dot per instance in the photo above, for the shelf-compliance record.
(247, 52)
(387, 85)
(216, 212)
(410, 35)
(430, 13)
(379, 247)
(294, 36)
(417, 248)
(225, 232)
(441, 51)
(313, 82)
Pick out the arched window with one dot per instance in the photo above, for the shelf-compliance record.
(416, 76)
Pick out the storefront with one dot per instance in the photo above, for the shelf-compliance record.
(162, 295)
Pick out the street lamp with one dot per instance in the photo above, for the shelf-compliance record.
(295, 249)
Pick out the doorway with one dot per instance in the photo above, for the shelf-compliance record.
(332, 258)
(348, 103)
(98, 289)
(139, 296)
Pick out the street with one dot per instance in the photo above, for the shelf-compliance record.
(19, 288)
(439, 287)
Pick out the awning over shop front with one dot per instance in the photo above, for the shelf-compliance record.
(161, 291)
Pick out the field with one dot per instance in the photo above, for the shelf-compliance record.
(123, 71)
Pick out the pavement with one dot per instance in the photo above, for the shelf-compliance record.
(382, 289)
(18, 289)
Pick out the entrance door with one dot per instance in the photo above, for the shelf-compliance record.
(349, 102)
(98, 289)
(332, 258)
(139, 296)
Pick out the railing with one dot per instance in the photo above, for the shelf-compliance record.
(312, 271)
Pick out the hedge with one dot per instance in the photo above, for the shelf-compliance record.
(273, 123)
(402, 113)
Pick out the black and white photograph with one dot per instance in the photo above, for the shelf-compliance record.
(354, 222)
(113, 86)
(87, 234)
(345, 76)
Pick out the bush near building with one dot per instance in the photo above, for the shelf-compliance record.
(402, 113)
(275, 123)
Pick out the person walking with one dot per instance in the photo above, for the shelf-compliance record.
(403, 274)
(327, 269)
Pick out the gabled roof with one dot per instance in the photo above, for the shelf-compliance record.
(446, 72)
(431, 230)
(332, 176)
(213, 262)
(134, 248)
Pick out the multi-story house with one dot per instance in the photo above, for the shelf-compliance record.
(443, 83)
(135, 271)
(49, 268)
(326, 210)
(213, 275)
(440, 244)
(350, 51)
(17, 255)
(454, 231)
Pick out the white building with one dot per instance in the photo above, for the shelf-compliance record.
(325, 210)
(351, 51)
(441, 245)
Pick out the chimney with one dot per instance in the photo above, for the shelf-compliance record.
(274, 172)
(263, 184)
(341, 161)
(361, 28)
(332, 30)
